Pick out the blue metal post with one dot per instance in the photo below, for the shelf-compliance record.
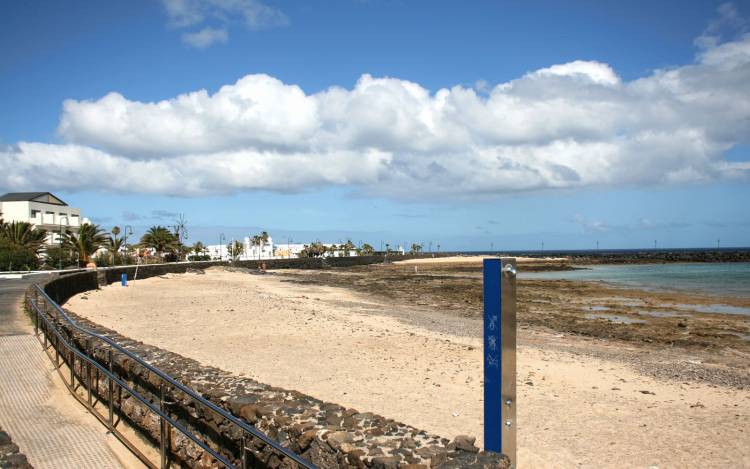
(124, 279)
(500, 357)
(492, 361)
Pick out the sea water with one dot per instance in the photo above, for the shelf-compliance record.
(722, 279)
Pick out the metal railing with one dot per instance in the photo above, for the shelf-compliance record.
(48, 325)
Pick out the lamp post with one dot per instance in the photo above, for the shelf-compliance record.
(60, 240)
(222, 239)
(127, 231)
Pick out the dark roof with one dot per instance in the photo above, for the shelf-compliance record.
(30, 196)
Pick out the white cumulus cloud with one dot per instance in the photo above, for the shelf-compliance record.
(572, 125)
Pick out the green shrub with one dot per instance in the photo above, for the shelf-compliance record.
(55, 257)
(103, 259)
(13, 257)
(199, 257)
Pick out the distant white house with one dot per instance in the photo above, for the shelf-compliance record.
(250, 251)
(269, 250)
(263, 251)
(43, 210)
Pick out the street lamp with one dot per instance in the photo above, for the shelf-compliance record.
(127, 231)
(60, 240)
(222, 239)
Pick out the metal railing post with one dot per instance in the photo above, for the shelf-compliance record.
(243, 447)
(88, 368)
(111, 392)
(164, 444)
(72, 364)
(500, 356)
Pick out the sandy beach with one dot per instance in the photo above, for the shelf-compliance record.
(413, 353)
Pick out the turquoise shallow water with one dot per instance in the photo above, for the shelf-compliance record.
(724, 279)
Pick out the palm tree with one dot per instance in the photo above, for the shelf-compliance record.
(257, 240)
(348, 247)
(315, 249)
(160, 239)
(86, 242)
(235, 250)
(415, 248)
(261, 240)
(114, 244)
(366, 250)
(23, 235)
(199, 248)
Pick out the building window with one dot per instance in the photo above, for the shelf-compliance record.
(35, 213)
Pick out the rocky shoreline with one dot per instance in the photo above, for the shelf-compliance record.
(10, 455)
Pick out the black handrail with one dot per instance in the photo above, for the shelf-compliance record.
(188, 391)
(130, 390)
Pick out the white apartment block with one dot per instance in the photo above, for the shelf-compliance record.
(43, 210)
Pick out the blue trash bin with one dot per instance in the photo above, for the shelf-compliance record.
(124, 280)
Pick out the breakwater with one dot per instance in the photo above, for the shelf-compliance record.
(635, 256)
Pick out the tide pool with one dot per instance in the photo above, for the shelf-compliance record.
(723, 279)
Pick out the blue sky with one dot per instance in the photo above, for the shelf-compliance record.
(613, 147)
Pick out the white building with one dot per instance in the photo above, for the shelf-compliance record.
(250, 251)
(217, 251)
(43, 210)
(269, 250)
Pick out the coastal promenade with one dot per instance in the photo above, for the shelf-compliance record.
(48, 426)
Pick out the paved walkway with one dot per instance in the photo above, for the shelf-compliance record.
(36, 410)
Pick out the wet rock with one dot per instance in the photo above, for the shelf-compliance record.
(463, 443)
(385, 462)
(335, 439)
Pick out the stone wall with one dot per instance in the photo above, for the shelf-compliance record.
(71, 284)
(324, 433)
(113, 274)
